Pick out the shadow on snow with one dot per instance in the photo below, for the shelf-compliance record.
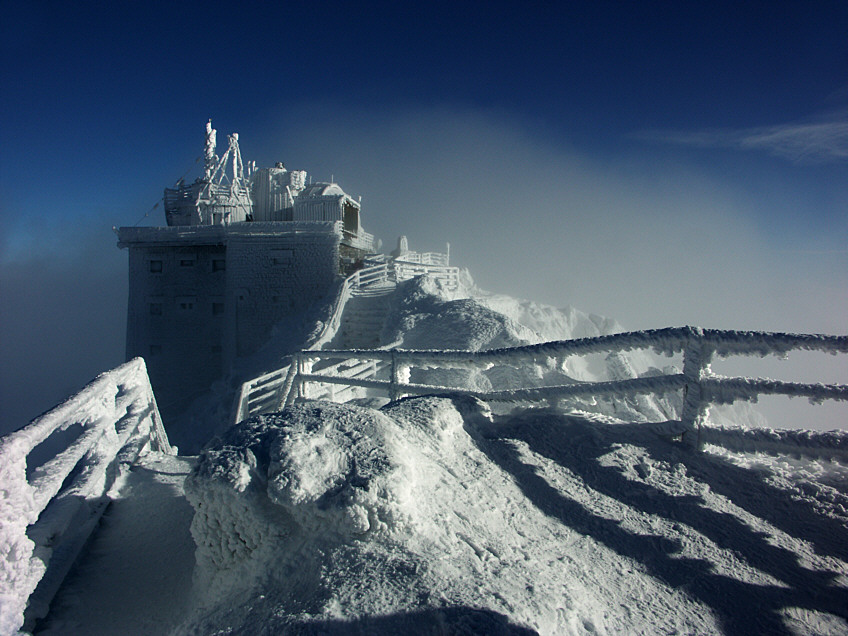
(742, 608)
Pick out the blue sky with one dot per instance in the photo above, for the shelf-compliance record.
(660, 163)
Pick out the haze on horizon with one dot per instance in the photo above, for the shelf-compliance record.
(661, 166)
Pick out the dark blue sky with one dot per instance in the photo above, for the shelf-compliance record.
(661, 163)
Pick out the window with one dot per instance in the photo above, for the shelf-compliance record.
(186, 262)
(217, 309)
(185, 303)
(156, 267)
(216, 348)
(281, 257)
(155, 309)
(219, 265)
(155, 350)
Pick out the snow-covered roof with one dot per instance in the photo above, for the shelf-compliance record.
(322, 189)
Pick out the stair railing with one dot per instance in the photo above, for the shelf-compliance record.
(57, 474)
(269, 390)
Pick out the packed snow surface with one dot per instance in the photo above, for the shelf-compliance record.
(434, 516)
(136, 576)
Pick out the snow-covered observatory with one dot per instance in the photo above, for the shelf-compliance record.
(243, 249)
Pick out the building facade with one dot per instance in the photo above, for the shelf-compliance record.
(238, 256)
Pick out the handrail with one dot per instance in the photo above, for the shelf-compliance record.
(404, 270)
(700, 387)
(47, 511)
(425, 258)
(265, 390)
(268, 389)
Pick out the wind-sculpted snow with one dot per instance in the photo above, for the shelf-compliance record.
(433, 515)
(316, 507)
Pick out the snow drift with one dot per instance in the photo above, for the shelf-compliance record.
(317, 512)
(434, 515)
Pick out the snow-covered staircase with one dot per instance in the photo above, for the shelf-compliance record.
(364, 316)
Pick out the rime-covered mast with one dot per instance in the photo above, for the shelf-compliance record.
(209, 154)
(218, 198)
(226, 194)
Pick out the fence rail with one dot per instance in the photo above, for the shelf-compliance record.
(404, 270)
(269, 391)
(57, 473)
(700, 386)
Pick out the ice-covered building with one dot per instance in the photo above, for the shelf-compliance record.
(243, 249)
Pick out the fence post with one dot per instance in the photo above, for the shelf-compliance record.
(287, 389)
(695, 360)
(304, 366)
(399, 376)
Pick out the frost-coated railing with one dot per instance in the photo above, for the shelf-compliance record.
(404, 270)
(263, 393)
(56, 474)
(362, 240)
(700, 386)
(425, 258)
(397, 270)
(267, 391)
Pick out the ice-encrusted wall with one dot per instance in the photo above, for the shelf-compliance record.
(201, 296)
(175, 317)
(271, 277)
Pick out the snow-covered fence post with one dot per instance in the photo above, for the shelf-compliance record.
(304, 367)
(696, 358)
(287, 393)
(242, 405)
(399, 376)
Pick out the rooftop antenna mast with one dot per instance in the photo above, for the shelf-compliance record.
(216, 171)
(209, 153)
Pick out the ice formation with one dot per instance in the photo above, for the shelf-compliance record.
(343, 519)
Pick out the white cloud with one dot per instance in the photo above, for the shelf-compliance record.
(647, 242)
(819, 141)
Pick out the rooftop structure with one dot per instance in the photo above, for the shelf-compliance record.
(230, 193)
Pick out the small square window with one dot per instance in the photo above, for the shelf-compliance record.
(155, 309)
(219, 265)
(186, 262)
(217, 309)
(186, 305)
(156, 267)
(216, 348)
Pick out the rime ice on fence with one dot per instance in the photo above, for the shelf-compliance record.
(45, 521)
(699, 346)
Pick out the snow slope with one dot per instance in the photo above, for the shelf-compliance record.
(433, 514)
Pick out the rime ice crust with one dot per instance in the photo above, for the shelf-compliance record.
(330, 518)
(277, 496)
